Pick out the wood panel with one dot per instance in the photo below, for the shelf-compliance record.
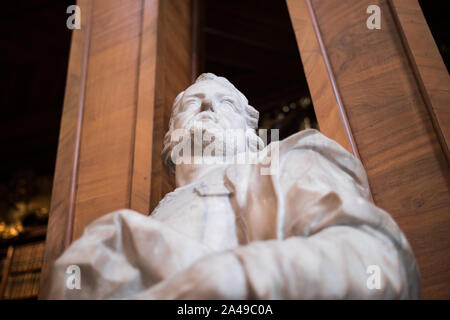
(428, 66)
(390, 123)
(59, 230)
(173, 75)
(127, 63)
(330, 116)
(140, 193)
(106, 151)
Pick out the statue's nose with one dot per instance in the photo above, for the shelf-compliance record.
(207, 105)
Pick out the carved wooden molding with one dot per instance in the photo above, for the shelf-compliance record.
(60, 225)
(328, 105)
(429, 68)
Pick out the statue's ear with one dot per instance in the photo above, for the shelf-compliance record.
(177, 100)
(252, 111)
(252, 117)
(255, 143)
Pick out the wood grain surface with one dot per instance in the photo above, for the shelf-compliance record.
(429, 68)
(173, 75)
(59, 230)
(317, 74)
(394, 132)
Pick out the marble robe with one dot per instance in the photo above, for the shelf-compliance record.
(310, 231)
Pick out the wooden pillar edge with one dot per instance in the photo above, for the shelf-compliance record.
(324, 92)
(60, 225)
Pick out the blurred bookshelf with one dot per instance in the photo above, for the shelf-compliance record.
(24, 208)
(21, 263)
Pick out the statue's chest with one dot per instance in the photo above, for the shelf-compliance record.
(202, 212)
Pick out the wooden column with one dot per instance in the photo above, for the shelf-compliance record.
(127, 63)
(384, 94)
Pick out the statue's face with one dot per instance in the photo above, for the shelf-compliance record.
(212, 105)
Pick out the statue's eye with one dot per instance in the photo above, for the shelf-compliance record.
(192, 103)
(229, 102)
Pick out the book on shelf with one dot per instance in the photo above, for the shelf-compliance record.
(24, 271)
(27, 257)
(22, 286)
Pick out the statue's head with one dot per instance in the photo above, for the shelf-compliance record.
(216, 105)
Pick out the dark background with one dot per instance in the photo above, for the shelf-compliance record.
(34, 57)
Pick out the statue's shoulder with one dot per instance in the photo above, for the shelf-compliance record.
(178, 197)
(315, 141)
(297, 140)
(306, 138)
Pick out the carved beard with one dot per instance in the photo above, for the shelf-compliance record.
(209, 129)
(205, 129)
(208, 135)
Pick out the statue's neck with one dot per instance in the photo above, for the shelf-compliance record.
(188, 173)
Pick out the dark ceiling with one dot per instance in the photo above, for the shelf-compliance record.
(437, 15)
(33, 60)
(34, 56)
(252, 43)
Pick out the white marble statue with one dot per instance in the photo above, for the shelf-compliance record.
(230, 230)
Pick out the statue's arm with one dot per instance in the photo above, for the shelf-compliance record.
(331, 264)
(333, 234)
